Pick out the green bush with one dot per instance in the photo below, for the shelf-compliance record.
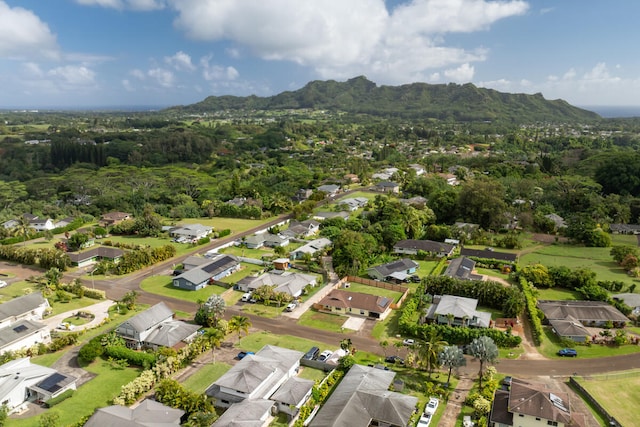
(532, 310)
(54, 401)
(135, 358)
(91, 350)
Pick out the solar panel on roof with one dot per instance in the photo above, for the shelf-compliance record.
(52, 382)
(209, 268)
(20, 328)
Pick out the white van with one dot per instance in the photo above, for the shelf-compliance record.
(246, 297)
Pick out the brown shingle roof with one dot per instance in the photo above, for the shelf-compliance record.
(537, 400)
(346, 299)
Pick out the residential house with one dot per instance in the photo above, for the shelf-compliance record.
(215, 268)
(570, 319)
(329, 189)
(41, 224)
(321, 216)
(113, 218)
(557, 220)
(466, 228)
(148, 413)
(194, 261)
(630, 299)
(417, 201)
(351, 178)
(490, 254)
(255, 241)
(302, 229)
(22, 381)
(530, 404)
(63, 222)
(399, 270)
(311, 248)
(384, 174)
(247, 413)
(462, 268)
(388, 187)
(154, 328)
(82, 259)
(276, 240)
(302, 195)
(27, 307)
(625, 228)
(22, 334)
(191, 232)
(412, 247)
(12, 223)
(281, 264)
(450, 178)
(287, 282)
(457, 311)
(418, 168)
(355, 303)
(256, 377)
(363, 399)
(352, 203)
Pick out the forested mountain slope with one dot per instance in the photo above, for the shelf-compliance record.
(417, 100)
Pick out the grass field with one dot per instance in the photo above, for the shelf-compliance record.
(324, 321)
(205, 376)
(162, 285)
(551, 344)
(371, 290)
(618, 393)
(96, 393)
(236, 225)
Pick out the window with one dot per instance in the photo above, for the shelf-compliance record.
(521, 415)
(552, 423)
(537, 419)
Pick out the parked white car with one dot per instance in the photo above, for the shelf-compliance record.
(425, 420)
(409, 341)
(325, 355)
(3, 284)
(432, 406)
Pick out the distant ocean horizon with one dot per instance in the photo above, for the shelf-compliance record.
(612, 111)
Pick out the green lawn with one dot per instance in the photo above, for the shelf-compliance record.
(246, 269)
(325, 321)
(96, 393)
(596, 259)
(372, 290)
(236, 225)
(205, 376)
(249, 253)
(558, 294)
(619, 394)
(426, 267)
(259, 309)
(551, 344)
(163, 285)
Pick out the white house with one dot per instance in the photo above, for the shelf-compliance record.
(22, 381)
(287, 282)
(311, 248)
(31, 307)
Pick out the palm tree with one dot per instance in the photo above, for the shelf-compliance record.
(429, 349)
(22, 229)
(384, 344)
(239, 324)
(485, 350)
(451, 357)
(214, 337)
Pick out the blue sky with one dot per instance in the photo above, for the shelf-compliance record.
(92, 53)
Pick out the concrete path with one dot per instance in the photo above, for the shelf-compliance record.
(99, 310)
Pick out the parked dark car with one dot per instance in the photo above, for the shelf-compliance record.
(506, 381)
(568, 352)
(243, 354)
(177, 272)
(394, 359)
(312, 353)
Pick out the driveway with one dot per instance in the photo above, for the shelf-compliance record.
(99, 310)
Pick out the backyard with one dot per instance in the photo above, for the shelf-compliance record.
(618, 393)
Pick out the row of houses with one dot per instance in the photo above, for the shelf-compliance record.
(262, 385)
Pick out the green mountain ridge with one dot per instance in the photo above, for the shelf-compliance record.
(449, 102)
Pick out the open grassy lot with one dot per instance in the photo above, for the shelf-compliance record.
(249, 253)
(19, 289)
(426, 267)
(598, 260)
(371, 290)
(551, 344)
(558, 294)
(162, 285)
(618, 393)
(96, 393)
(259, 309)
(205, 376)
(325, 321)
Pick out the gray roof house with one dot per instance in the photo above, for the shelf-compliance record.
(155, 328)
(288, 282)
(489, 254)
(330, 189)
(462, 268)
(398, 270)
(388, 187)
(214, 269)
(321, 216)
(194, 261)
(23, 334)
(256, 377)
(148, 413)
(248, 413)
(570, 319)
(412, 247)
(353, 203)
(21, 380)
(630, 299)
(191, 231)
(363, 398)
(302, 229)
(31, 306)
(311, 248)
(463, 310)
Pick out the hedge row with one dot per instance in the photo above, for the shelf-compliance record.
(136, 358)
(54, 401)
(532, 310)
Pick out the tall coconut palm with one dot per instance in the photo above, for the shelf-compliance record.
(214, 337)
(429, 349)
(239, 324)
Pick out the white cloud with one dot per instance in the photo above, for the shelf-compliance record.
(217, 72)
(164, 78)
(141, 5)
(138, 74)
(340, 39)
(463, 73)
(24, 35)
(74, 75)
(180, 61)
